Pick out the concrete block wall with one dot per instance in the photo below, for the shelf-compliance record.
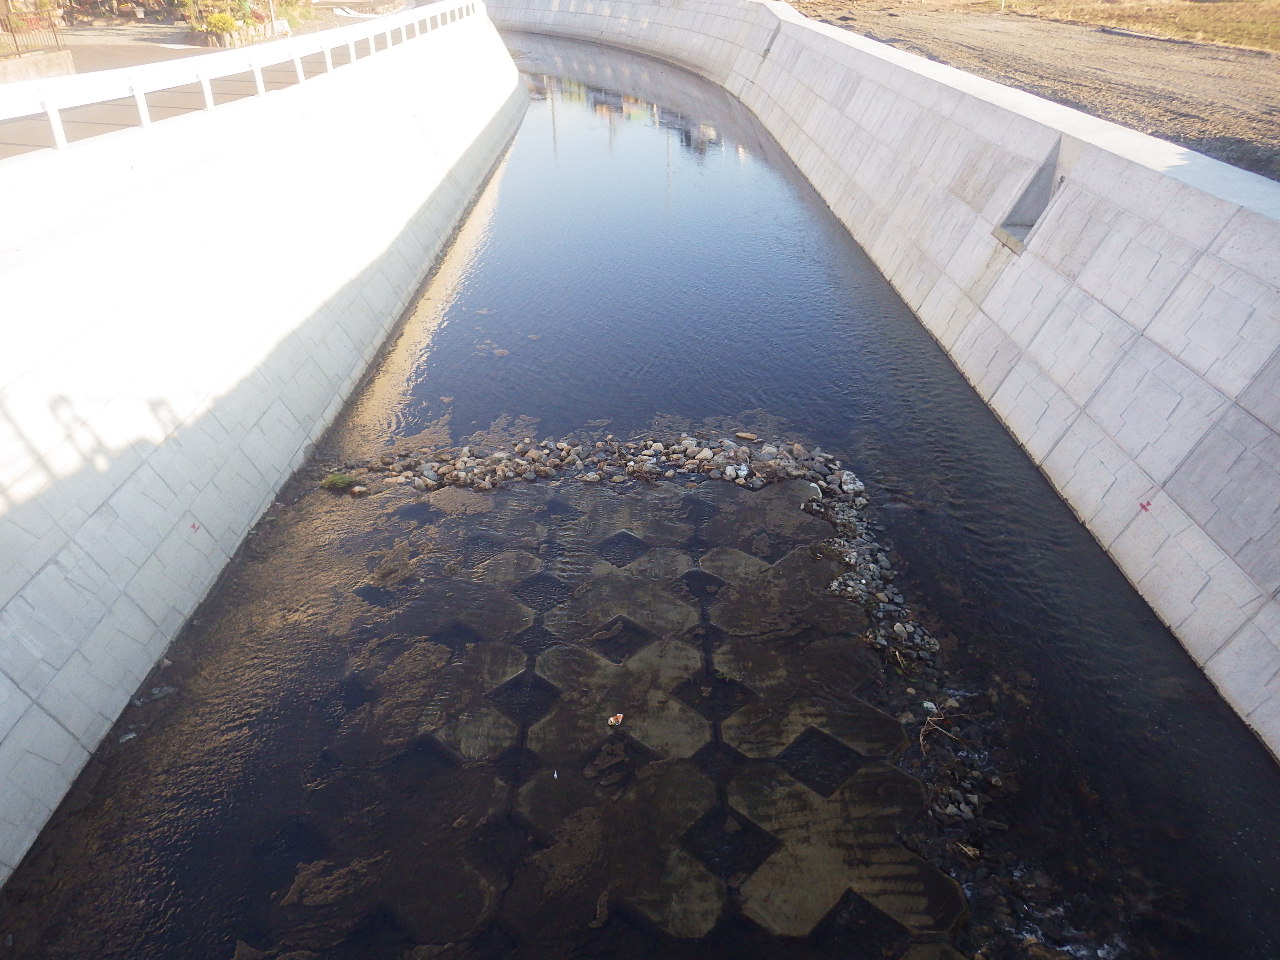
(33, 66)
(186, 306)
(1115, 299)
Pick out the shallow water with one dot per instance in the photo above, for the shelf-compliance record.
(708, 279)
(646, 257)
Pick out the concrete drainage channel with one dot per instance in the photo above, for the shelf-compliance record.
(1076, 272)
(526, 798)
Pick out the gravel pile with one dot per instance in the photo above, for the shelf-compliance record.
(744, 459)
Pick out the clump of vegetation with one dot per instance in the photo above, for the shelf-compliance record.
(226, 18)
(338, 481)
(221, 23)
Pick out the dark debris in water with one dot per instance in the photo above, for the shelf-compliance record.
(820, 761)
(526, 697)
(620, 638)
(541, 592)
(622, 548)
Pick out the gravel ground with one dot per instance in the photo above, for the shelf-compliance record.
(1222, 101)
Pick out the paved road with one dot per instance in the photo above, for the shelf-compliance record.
(128, 45)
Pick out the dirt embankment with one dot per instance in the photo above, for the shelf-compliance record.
(1222, 101)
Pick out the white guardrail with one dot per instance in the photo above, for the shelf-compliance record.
(53, 95)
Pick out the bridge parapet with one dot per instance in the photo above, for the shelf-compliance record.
(207, 81)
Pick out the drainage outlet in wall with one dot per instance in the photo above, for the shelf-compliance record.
(1016, 227)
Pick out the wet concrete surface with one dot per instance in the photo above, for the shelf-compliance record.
(456, 788)
(606, 602)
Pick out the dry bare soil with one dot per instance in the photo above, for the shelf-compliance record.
(1219, 99)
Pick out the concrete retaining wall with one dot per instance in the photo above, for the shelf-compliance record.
(186, 306)
(36, 66)
(1114, 298)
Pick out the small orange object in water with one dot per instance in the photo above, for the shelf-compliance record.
(615, 720)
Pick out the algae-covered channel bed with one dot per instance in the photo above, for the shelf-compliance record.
(385, 735)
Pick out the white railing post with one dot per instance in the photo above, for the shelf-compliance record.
(328, 60)
(297, 68)
(140, 101)
(259, 86)
(206, 90)
(55, 125)
(351, 51)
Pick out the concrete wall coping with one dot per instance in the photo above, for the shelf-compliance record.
(1236, 186)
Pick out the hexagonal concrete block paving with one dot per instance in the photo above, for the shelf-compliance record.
(474, 794)
(831, 841)
(641, 690)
